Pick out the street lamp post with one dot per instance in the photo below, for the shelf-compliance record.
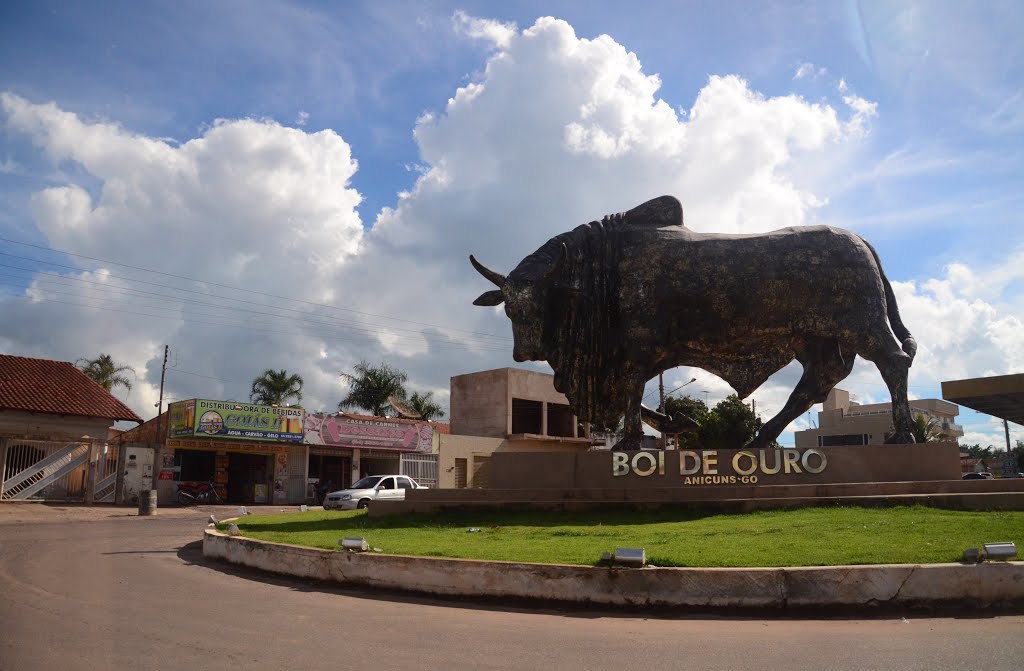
(661, 406)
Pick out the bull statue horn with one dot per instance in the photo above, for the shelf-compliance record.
(496, 278)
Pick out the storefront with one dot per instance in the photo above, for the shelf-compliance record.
(344, 448)
(251, 453)
(241, 473)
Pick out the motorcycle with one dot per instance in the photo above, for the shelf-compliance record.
(197, 493)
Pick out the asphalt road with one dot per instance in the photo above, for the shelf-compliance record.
(90, 591)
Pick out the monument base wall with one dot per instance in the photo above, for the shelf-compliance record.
(733, 480)
(848, 464)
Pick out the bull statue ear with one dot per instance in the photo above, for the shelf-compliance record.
(556, 267)
(487, 298)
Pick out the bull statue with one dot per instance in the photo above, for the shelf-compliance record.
(614, 302)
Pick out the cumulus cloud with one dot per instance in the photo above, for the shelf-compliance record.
(557, 131)
(499, 34)
(248, 203)
(553, 132)
(808, 70)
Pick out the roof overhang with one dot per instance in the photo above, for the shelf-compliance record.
(1001, 396)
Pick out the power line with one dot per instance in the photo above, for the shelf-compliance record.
(246, 326)
(208, 377)
(224, 286)
(191, 302)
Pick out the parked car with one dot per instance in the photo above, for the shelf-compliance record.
(371, 488)
(977, 476)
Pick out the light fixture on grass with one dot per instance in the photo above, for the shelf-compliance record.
(996, 551)
(630, 556)
(233, 530)
(354, 544)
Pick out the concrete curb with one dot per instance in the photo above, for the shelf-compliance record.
(975, 585)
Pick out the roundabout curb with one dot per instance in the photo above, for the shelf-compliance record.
(989, 584)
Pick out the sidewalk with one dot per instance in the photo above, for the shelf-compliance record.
(31, 512)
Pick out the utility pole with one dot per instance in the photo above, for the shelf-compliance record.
(147, 499)
(1006, 429)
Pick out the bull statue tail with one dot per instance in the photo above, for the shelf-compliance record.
(907, 342)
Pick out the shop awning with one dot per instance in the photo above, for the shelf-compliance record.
(1001, 396)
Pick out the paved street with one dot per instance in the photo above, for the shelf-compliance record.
(102, 588)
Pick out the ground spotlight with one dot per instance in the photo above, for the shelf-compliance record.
(996, 551)
(354, 544)
(630, 556)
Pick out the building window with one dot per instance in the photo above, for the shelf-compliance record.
(526, 416)
(460, 473)
(559, 420)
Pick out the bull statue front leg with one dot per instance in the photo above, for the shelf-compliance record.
(632, 430)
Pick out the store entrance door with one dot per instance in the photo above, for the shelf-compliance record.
(249, 477)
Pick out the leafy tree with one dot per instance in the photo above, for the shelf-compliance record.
(730, 424)
(689, 407)
(1018, 451)
(274, 387)
(106, 372)
(424, 405)
(926, 429)
(371, 386)
(976, 451)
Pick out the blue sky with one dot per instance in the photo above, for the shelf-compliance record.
(923, 159)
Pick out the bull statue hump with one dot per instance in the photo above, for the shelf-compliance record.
(611, 304)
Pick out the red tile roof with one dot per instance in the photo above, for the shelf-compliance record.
(55, 387)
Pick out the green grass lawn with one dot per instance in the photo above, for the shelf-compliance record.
(803, 537)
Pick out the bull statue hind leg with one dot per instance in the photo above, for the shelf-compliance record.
(894, 365)
(824, 367)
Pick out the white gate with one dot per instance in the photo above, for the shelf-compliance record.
(105, 474)
(56, 471)
(420, 467)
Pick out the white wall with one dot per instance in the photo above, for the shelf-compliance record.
(44, 426)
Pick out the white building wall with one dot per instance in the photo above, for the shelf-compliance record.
(44, 426)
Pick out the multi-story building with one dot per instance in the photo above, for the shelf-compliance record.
(506, 409)
(845, 422)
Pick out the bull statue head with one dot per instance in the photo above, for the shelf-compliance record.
(524, 292)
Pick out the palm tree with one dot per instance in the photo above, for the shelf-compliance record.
(926, 429)
(274, 387)
(106, 372)
(371, 386)
(424, 405)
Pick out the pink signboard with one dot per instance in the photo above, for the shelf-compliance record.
(368, 432)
